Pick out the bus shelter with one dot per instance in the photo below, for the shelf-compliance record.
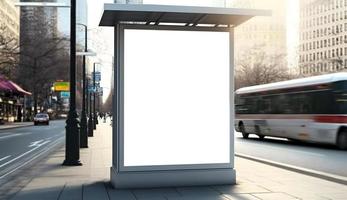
(173, 103)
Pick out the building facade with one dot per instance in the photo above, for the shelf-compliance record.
(9, 18)
(38, 22)
(268, 32)
(323, 36)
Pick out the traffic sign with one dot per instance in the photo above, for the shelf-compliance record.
(65, 94)
(97, 76)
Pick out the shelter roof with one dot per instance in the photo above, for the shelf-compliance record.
(186, 15)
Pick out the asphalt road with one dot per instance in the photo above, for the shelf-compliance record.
(21, 146)
(323, 158)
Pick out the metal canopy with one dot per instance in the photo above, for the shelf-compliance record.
(186, 15)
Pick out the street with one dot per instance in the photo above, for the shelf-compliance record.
(323, 158)
(21, 146)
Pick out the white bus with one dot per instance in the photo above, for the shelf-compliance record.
(310, 109)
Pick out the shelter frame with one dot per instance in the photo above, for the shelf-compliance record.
(165, 175)
(171, 18)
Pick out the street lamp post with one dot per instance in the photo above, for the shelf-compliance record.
(84, 129)
(90, 118)
(72, 146)
(94, 100)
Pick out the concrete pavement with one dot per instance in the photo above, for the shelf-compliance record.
(91, 181)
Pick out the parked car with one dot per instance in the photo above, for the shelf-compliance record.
(41, 118)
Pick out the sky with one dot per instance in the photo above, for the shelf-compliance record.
(104, 36)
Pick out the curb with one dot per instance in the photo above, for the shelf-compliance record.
(13, 127)
(309, 172)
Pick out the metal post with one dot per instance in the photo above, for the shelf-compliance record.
(99, 103)
(83, 131)
(87, 99)
(72, 146)
(90, 119)
(94, 100)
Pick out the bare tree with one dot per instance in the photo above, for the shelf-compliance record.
(43, 61)
(9, 49)
(256, 67)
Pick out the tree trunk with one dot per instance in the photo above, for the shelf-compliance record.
(35, 103)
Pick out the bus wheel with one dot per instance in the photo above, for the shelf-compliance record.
(258, 132)
(342, 139)
(261, 137)
(243, 131)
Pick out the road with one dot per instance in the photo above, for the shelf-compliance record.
(323, 158)
(21, 146)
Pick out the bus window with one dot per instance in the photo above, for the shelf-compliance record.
(341, 103)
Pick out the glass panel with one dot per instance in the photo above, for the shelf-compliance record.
(176, 98)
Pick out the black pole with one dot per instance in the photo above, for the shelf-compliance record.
(87, 98)
(90, 118)
(94, 99)
(83, 131)
(72, 146)
(99, 102)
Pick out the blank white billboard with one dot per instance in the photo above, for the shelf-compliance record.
(176, 97)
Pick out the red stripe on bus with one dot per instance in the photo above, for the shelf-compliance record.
(330, 119)
(273, 116)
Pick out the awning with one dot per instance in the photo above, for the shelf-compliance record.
(9, 86)
(188, 15)
(18, 89)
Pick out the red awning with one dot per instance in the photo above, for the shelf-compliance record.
(9, 86)
(18, 89)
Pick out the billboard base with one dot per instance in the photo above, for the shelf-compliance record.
(172, 178)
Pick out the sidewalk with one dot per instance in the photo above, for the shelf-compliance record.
(91, 181)
(15, 125)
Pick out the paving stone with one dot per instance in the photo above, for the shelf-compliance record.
(241, 197)
(274, 196)
(120, 194)
(339, 195)
(72, 191)
(95, 191)
(201, 191)
(47, 193)
(156, 193)
(240, 188)
(200, 197)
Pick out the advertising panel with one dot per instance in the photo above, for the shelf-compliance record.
(61, 86)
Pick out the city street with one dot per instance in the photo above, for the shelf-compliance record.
(22, 146)
(323, 158)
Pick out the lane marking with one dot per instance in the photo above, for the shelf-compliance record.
(16, 158)
(44, 150)
(9, 136)
(14, 135)
(35, 143)
(4, 158)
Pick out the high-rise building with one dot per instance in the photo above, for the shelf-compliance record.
(36, 23)
(323, 36)
(9, 18)
(270, 32)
